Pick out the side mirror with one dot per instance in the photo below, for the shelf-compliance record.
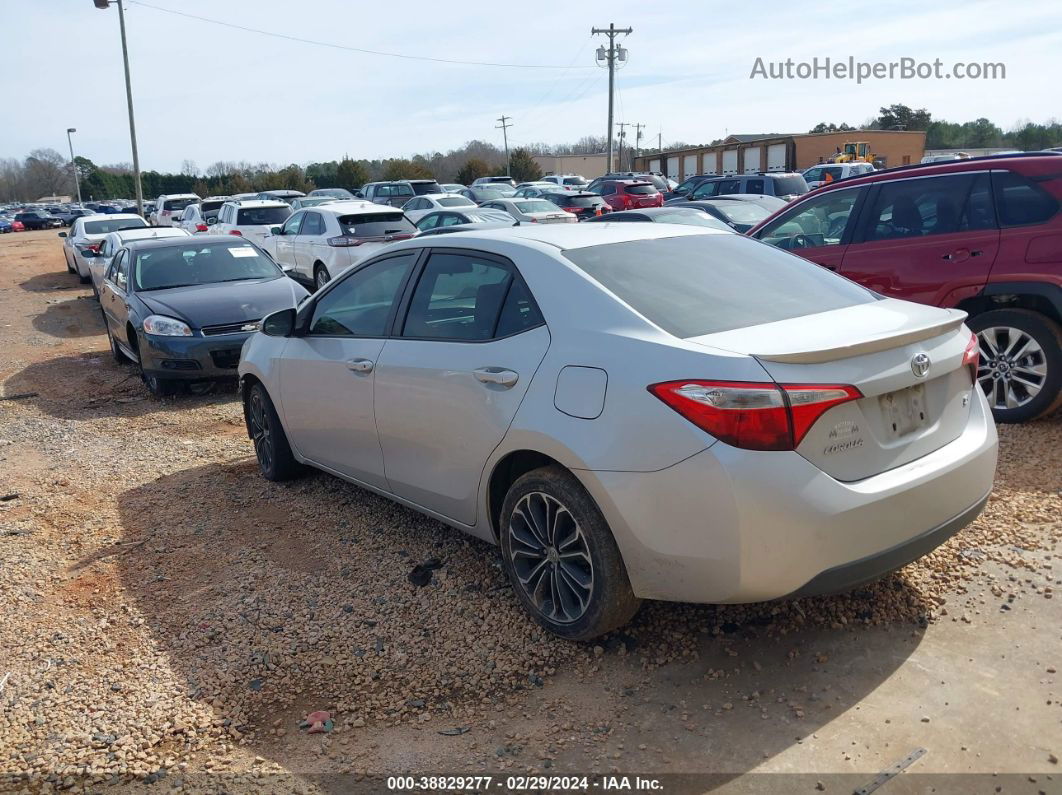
(279, 324)
(62, 234)
(276, 230)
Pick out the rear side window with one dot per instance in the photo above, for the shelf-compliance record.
(932, 206)
(262, 216)
(754, 186)
(702, 284)
(313, 225)
(375, 224)
(1021, 201)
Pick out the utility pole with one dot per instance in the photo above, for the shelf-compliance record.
(104, 4)
(638, 139)
(622, 136)
(73, 165)
(504, 127)
(610, 56)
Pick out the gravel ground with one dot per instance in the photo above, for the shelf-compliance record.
(168, 613)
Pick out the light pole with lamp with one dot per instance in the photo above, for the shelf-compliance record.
(104, 4)
(73, 165)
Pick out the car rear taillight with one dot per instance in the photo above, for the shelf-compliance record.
(347, 242)
(201, 227)
(971, 357)
(95, 247)
(754, 416)
(236, 232)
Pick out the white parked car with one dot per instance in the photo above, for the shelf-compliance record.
(633, 411)
(168, 209)
(819, 175)
(419, 206)
(198, 218)
(254, 219)
(115, 240)
(568, 181)
(87, 232)
(319, 243)
(535, 211)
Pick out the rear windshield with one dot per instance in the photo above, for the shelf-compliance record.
(495, 192)
(375, 224)
(579, 201)
(641, 190)
(262, 216)
(178, 204)
(420, 188)
(456, 201)
(184, 266)
(783, 186)
(208, 206)
(690, 218)
(701, 284)
(742, 212)
(574, 181)
(106, 227)
(539, 206)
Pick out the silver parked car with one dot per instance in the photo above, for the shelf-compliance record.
(633, 411)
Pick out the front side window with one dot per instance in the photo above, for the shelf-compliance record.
(728, 186)
(291, 226)
(458, 297)
(820, 221)
(706, 189)
(1020, 200)
(361, 304)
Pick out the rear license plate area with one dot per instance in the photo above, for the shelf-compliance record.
(904, 410)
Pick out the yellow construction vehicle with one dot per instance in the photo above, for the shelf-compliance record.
(854, 152)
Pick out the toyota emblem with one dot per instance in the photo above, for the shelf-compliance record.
(920, 365)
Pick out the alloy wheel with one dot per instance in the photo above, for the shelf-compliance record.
(260, 430)
(320, 278)
(1013, 367)
(551, 558)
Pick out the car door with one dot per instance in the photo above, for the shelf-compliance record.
(818, 228)
(327, 375)
(113, 295)
(284, 243)
(309, 234)
(449, 381)
(926, 239)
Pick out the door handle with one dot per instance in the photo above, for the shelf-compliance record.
(976, 253)
(360, 365)
(496, 375)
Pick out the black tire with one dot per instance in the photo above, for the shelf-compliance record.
(69, 267)
(1004, 332)
(157, 385)
(541, 581)
(271, 448)
(321, 276)
(84, 279)
(116, 352)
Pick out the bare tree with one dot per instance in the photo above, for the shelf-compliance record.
(48, 173)
(190, 168)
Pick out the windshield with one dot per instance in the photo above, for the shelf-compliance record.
(784, 186)
(375, 224)
(262, 216)
(690, 218)
(105, 227)
(742, 212)
(641, 190)
(178, 204)
(421, 188)
(456, 201)
(184, 266)
(536, 206)
(701, 284)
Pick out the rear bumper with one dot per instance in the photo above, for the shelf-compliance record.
(730, 525)
(192, 358)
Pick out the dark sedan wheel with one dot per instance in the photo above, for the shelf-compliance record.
(271, 447)
(116, 352)
(158, 386)
(1020, 370)
(561, 557)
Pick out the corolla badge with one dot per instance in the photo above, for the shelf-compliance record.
(920, 365)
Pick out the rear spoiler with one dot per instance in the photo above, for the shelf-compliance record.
(871, 344)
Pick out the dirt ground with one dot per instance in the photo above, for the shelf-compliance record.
(169, 617)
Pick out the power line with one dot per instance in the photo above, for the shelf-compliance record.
(361, 50)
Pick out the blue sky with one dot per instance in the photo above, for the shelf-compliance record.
(205, 92)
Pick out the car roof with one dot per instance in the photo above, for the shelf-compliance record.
(108, 217)
(149, 233)
(571, 236)
(179, 196)
(191, 240)
(258, 203)
(353, 207)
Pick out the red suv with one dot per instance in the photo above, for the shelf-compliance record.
(629, 194)
(983, 235)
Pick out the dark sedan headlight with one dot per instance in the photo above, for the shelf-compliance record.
(163, 326)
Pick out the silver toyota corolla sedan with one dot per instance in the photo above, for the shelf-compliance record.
(633, 411)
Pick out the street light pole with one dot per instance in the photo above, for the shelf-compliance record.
(104, 4)
(73, 165)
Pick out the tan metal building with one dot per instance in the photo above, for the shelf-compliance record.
(748, 154)
(588, 166)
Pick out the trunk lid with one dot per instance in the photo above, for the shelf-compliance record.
(904, 414)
